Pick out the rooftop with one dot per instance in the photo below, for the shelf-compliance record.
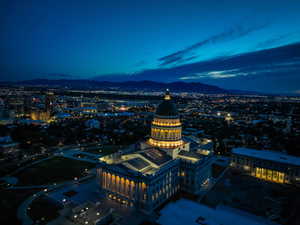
(268, 155)
(147, 161)
(138, 163)
(156, 156)
(194, 156)
(188, 212)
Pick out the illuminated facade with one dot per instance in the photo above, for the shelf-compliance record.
(40, 115)
(44, 115)
(158, 169)
(166, 126)
(166, 129)
(267, 165)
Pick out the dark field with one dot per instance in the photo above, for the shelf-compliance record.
(57, 169)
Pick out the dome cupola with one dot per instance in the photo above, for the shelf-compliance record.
(167, 108)
(166, 126)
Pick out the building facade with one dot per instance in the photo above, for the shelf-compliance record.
(267, 165)
(159, 168)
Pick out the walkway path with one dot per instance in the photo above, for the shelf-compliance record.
(22, 210)
(70, 154)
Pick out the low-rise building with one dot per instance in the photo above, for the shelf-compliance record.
(266, 164)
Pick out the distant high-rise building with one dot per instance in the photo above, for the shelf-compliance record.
(49, 102)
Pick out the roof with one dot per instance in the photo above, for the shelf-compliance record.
(268, 155)
(207, 146)
(138, 163)
(191, 155)
(156, 156)
(186, 211)
(167, 107)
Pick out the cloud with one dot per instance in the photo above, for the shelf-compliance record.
(231, 34)
(274, 69)
(214, 75)
(245, 71)
(271, 42)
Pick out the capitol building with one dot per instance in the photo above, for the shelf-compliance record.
(160, 167)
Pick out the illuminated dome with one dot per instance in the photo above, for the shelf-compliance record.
(166, 126)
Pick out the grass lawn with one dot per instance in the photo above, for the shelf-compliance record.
(54, 170)
(42, 210)
(105, 149)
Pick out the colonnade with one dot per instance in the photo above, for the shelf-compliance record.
(122, 186)
(165, 144)
(166, 134)
(166, 122)
(270, 175)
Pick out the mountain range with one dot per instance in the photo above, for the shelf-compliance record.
(196, 87)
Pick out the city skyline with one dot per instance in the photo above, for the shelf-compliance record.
(76, 156)
(232, 44)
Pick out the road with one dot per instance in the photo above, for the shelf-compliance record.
(22, 210)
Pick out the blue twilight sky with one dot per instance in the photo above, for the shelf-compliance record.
(250, 45)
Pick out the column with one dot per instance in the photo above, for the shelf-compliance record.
(103, 179)
(108, 177)
(127, 188)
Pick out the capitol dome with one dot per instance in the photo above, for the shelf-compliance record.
(166, 126)
(167, 108)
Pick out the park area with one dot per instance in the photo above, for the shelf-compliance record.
(104, 149)
(53, 170)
